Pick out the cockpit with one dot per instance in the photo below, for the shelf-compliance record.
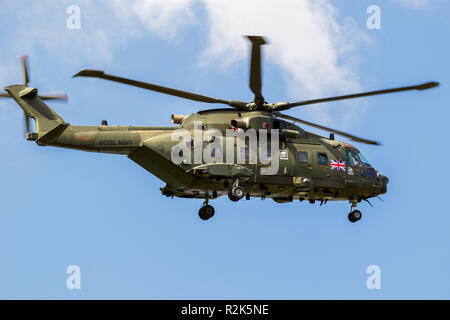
(355, 157)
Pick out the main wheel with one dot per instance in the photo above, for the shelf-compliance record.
(236, 193)
(354, 216)
(206, 212)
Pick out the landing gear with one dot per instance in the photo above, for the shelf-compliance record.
(236, 193)
(206, 212)
(354, 216)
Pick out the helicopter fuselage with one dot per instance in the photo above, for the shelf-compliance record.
(310, 167)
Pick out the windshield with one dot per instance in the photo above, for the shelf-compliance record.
(363, 159)
(352, 159)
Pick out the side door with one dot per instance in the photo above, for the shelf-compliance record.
(301, 160)
(321, 167)
(312, 162)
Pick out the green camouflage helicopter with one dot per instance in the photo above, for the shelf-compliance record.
(309, 166)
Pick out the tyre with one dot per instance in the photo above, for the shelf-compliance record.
(350, 218)
(206, 212)
(357, 215)
(354, 216)
(236, 193)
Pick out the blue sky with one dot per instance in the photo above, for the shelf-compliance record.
(106, 214)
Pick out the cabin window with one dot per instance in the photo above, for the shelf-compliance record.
(322, 158)
(302, 157)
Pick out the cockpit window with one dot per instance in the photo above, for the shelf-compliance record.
(352, 159)
(363, 159)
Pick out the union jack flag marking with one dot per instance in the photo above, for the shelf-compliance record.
(338, 165)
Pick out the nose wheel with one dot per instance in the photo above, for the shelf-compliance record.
(354, 216)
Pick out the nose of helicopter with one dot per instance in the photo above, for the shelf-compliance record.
(384, 182)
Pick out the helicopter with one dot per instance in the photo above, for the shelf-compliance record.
(310, 167)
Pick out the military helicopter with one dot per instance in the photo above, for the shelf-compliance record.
(311, 167)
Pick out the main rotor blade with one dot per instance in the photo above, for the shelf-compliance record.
(255, 68)
(352, 137)
(54, 97)
(26, 77)
(423, 86)
(161, 89)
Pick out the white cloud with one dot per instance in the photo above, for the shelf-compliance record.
(315, 47)
(307, 40)
(161, 17)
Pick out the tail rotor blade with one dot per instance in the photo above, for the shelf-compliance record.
(26, 76)
(54, 97)
(26, 80)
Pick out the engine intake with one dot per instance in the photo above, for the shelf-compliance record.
(241, 123)
(177, 118)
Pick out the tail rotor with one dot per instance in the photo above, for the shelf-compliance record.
(26, 80)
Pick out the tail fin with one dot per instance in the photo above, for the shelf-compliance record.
(48, 123)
